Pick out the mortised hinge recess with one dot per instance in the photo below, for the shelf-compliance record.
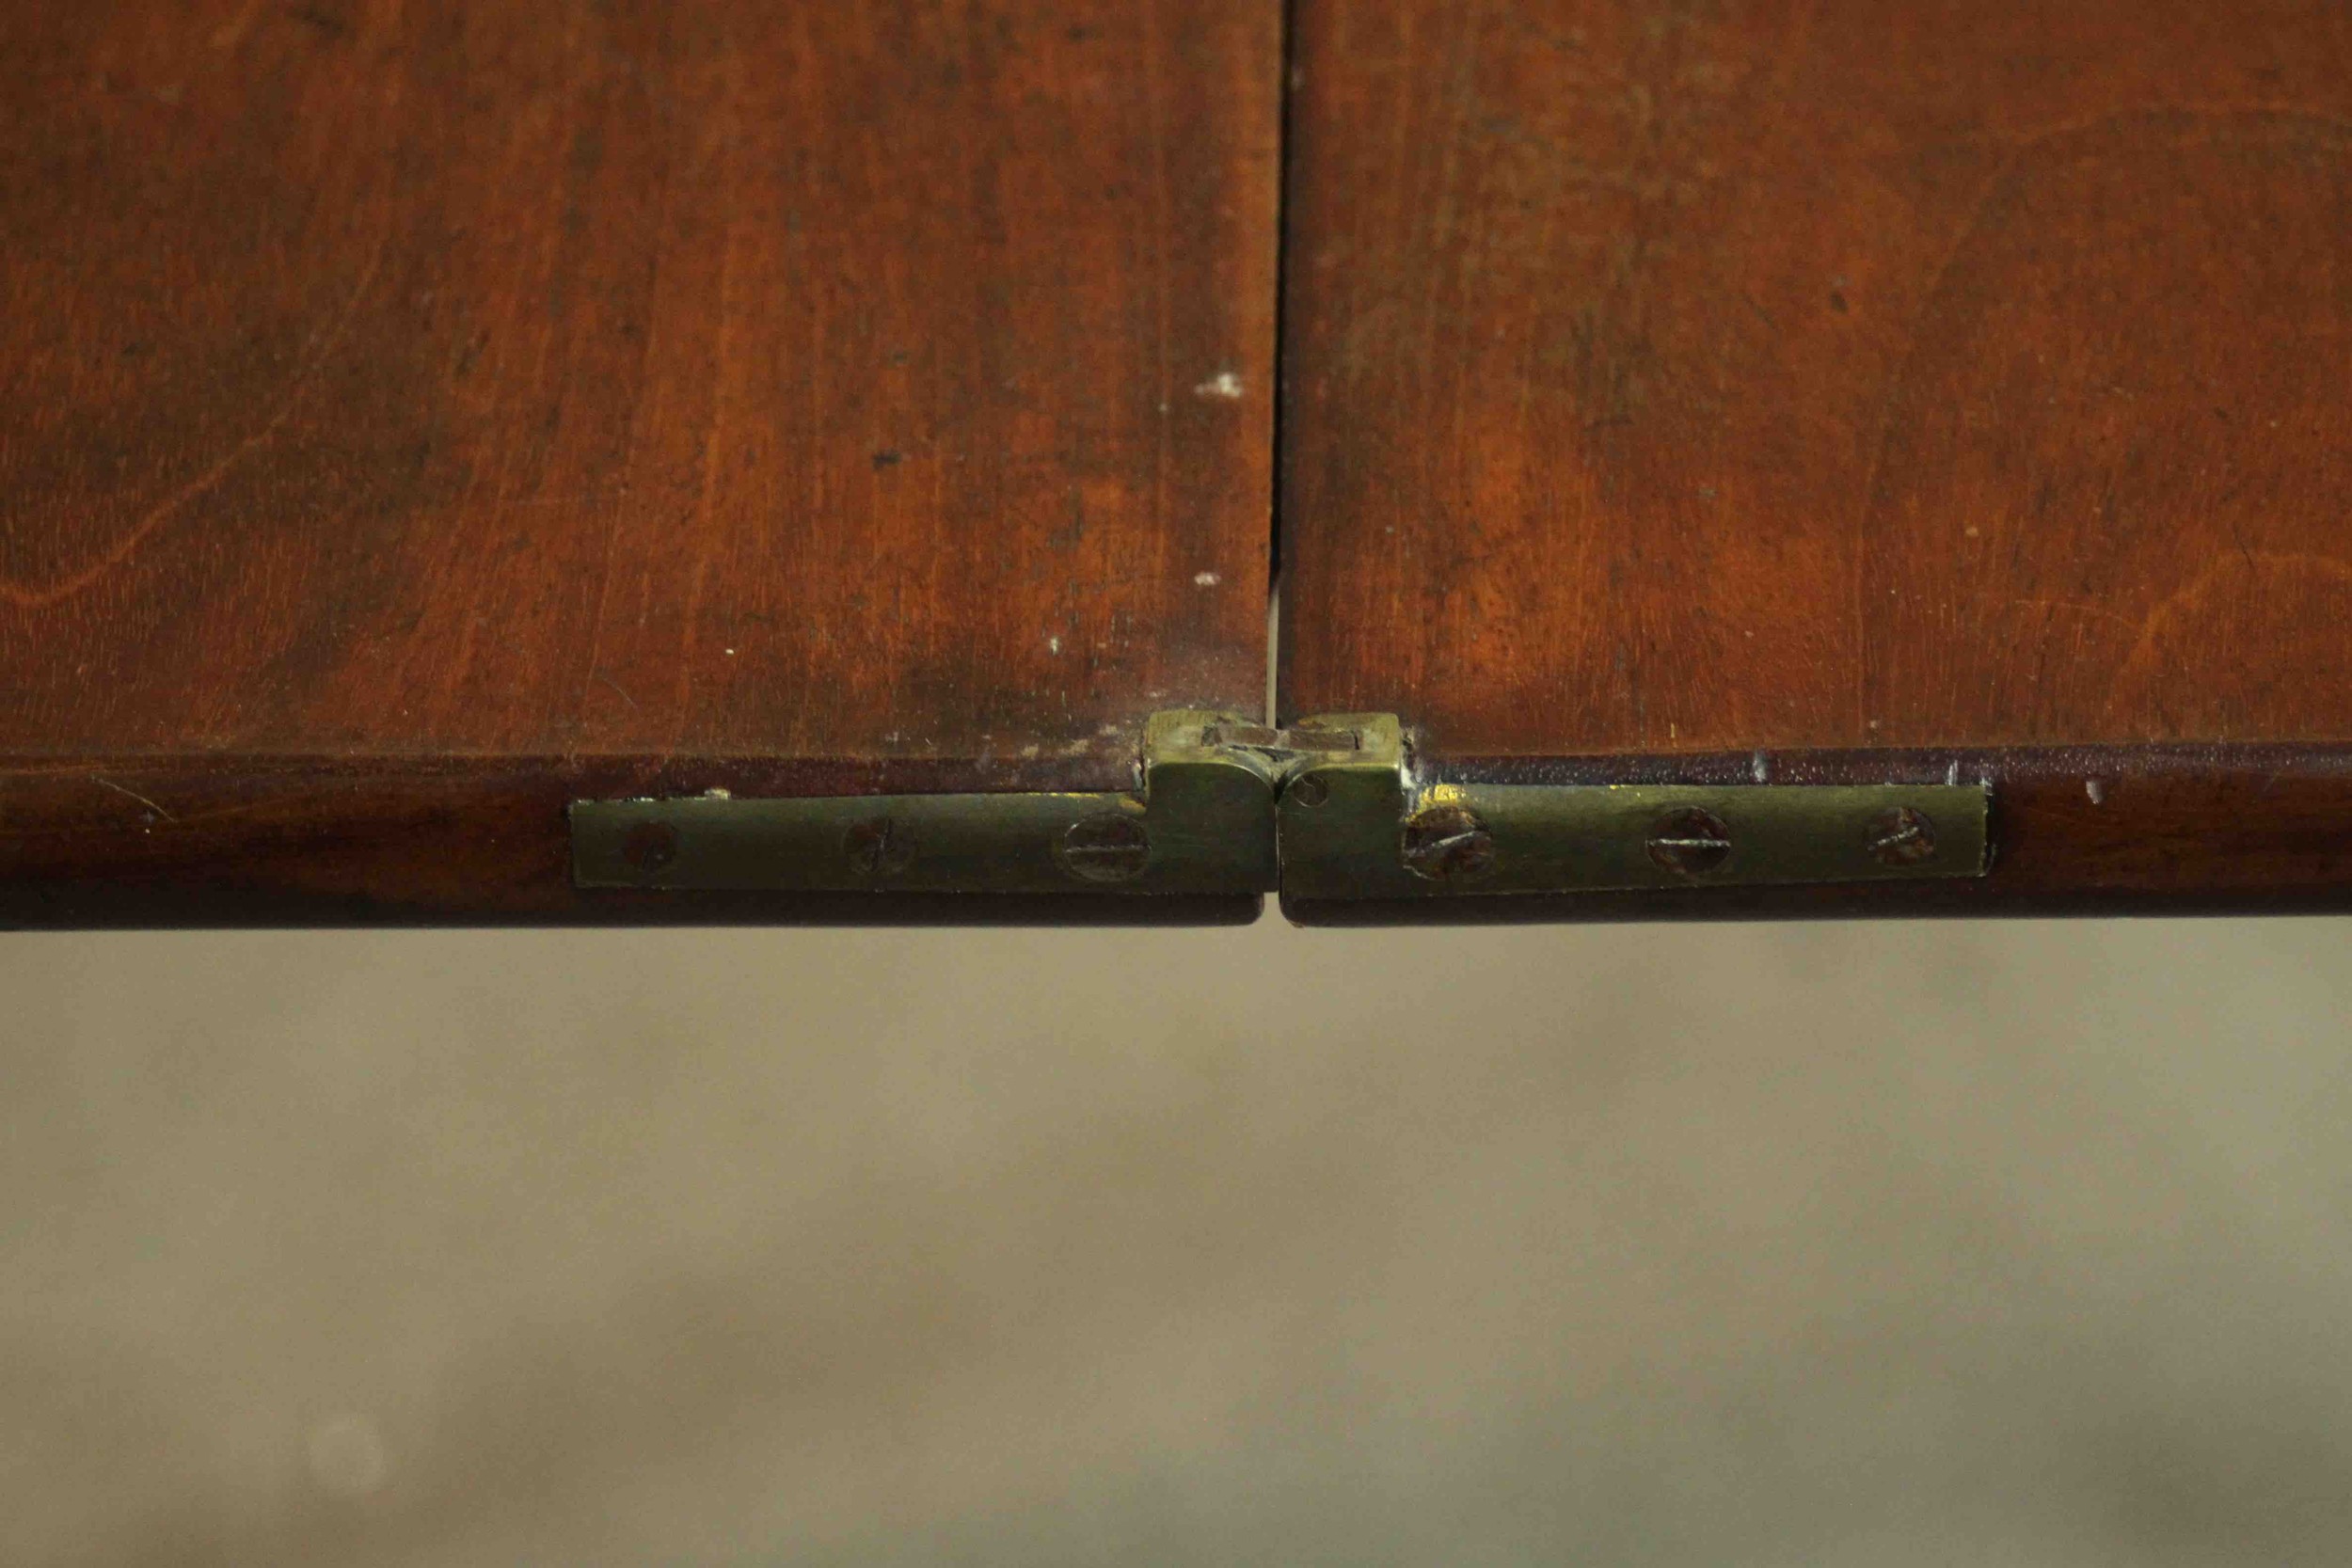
(1330, 808)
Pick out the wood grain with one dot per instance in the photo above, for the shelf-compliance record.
(296, 841)
(2075, 830)
(388, 386)
(1666, 377)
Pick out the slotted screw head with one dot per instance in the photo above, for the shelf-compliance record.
(1448, 844)
(879, 848)
(1105, 848)
(1688, 842)
(1901, 835)
(650, 847)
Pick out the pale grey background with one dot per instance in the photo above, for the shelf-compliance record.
(1828, 1245)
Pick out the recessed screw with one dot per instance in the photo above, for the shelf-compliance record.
(1307, 790)
(1900, 835)
(650, 847)
(879, 848)
(1105, 848)
(1689, 842)
(1448, 844)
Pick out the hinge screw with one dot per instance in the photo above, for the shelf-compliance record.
(1307, 790)
(1901, 835)
(650, 847)
(1105, 848)
(1448, 844)
(1692, 841)
(879, 848)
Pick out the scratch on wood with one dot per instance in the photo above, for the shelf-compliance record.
(321, 345)
(109, 784)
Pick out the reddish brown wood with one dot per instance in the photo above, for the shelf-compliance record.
(1667, 377)
(310, 840)
(2109, 830)
(494, 390)
(1670, 380)
(306, 841)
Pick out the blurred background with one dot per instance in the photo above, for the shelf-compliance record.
(1819, 1245)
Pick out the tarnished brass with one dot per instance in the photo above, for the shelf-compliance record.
(1330, 808)
(1361, 826)
(1203, 822)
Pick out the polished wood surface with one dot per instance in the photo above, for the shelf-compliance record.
(685, 389)
(415, 417)
(2076, 831)
(410, 841)
(810, 380)
(1664, 379)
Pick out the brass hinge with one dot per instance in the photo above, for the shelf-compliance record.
(1330, 808)
(1200, 821)
(1365, 826)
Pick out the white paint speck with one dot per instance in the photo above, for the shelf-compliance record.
(1053, 644)
(718, 795)
(1951, 774)
(730, 653)
(1205, 579)
(2097, 790)
(347, 1456)
(1757, 769)
(1224, 384)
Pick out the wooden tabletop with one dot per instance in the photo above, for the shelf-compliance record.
(1841, 392)
(417, 419)
(412, 417)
